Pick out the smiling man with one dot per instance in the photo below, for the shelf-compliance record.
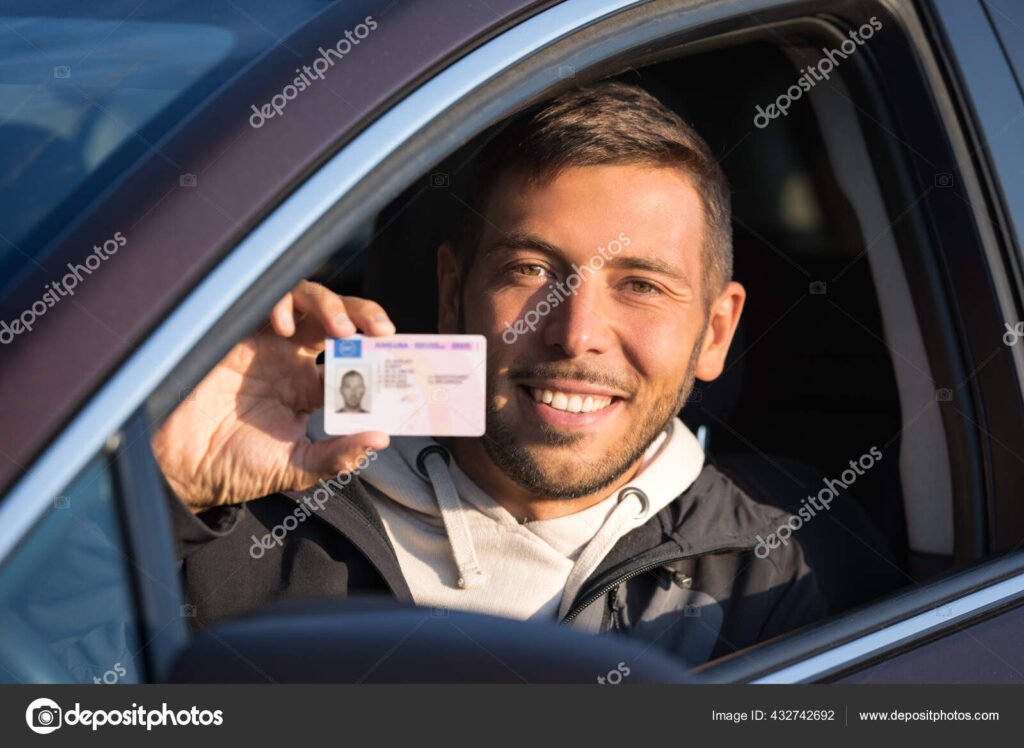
(603, 220)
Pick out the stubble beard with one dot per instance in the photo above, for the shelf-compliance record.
(520, 463)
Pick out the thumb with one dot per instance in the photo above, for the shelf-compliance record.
(345, 454)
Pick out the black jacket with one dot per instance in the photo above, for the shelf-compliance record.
(688, 580)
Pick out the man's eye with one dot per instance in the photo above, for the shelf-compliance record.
(533, 271)
(641, 287)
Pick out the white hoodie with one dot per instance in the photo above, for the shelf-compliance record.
(459, 549)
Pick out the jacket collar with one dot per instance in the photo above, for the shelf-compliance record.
(713, 514)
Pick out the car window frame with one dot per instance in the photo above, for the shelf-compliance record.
(931, 598)
(328, 206)
(150, 547)
(982, 83)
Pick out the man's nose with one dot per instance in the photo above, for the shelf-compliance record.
(581, 323)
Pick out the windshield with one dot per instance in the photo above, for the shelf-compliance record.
(86, 90)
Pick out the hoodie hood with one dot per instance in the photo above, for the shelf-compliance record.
(417, 480)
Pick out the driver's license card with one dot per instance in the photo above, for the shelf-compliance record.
(405, 385)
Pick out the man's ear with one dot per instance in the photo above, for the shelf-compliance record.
(723, 318)
(449, 287)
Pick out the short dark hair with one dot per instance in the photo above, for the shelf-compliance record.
(602, 124)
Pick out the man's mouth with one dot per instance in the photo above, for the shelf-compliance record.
(567, 403)
(570, 402)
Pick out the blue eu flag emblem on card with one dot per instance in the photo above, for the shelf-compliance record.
(348, 349)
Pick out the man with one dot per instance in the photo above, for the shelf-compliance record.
(602, 219)
(352, 390)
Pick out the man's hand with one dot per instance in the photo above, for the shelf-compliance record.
(241, 433)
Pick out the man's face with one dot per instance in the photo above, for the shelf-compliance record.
(611, 356)
(352, 390)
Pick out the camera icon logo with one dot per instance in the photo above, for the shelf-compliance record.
(187, 180)
(61, 71)
(818, 288)
(43, 716)
(439, 180)
(943, 180)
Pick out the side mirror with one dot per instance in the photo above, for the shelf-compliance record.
(380, 641)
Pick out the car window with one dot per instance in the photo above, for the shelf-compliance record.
(800, 250)
(65, 593)
(1008, 21)
(86, 90)
(803, 241)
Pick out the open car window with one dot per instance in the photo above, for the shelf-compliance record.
(834, 389)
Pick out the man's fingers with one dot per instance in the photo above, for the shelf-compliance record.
(282, 317)
(325, 314)
(369, 316)
(324, 306)
(317, 312)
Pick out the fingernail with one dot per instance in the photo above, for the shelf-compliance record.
(341, 319)
(381, 319)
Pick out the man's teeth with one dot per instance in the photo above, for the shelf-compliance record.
(570, 402)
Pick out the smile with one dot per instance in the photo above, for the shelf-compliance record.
(569, 401)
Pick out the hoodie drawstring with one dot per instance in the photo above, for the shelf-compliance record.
(631, 510)
(432, 463)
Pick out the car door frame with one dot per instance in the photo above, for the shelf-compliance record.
(473, 92)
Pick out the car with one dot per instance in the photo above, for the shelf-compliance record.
(167, 174)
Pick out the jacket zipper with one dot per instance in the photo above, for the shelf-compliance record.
(637, 571)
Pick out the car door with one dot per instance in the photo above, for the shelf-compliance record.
(251, 236)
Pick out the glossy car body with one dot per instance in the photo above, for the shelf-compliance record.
(222, 217)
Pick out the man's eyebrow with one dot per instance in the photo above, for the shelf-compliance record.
(521, 240)
(650, 265)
